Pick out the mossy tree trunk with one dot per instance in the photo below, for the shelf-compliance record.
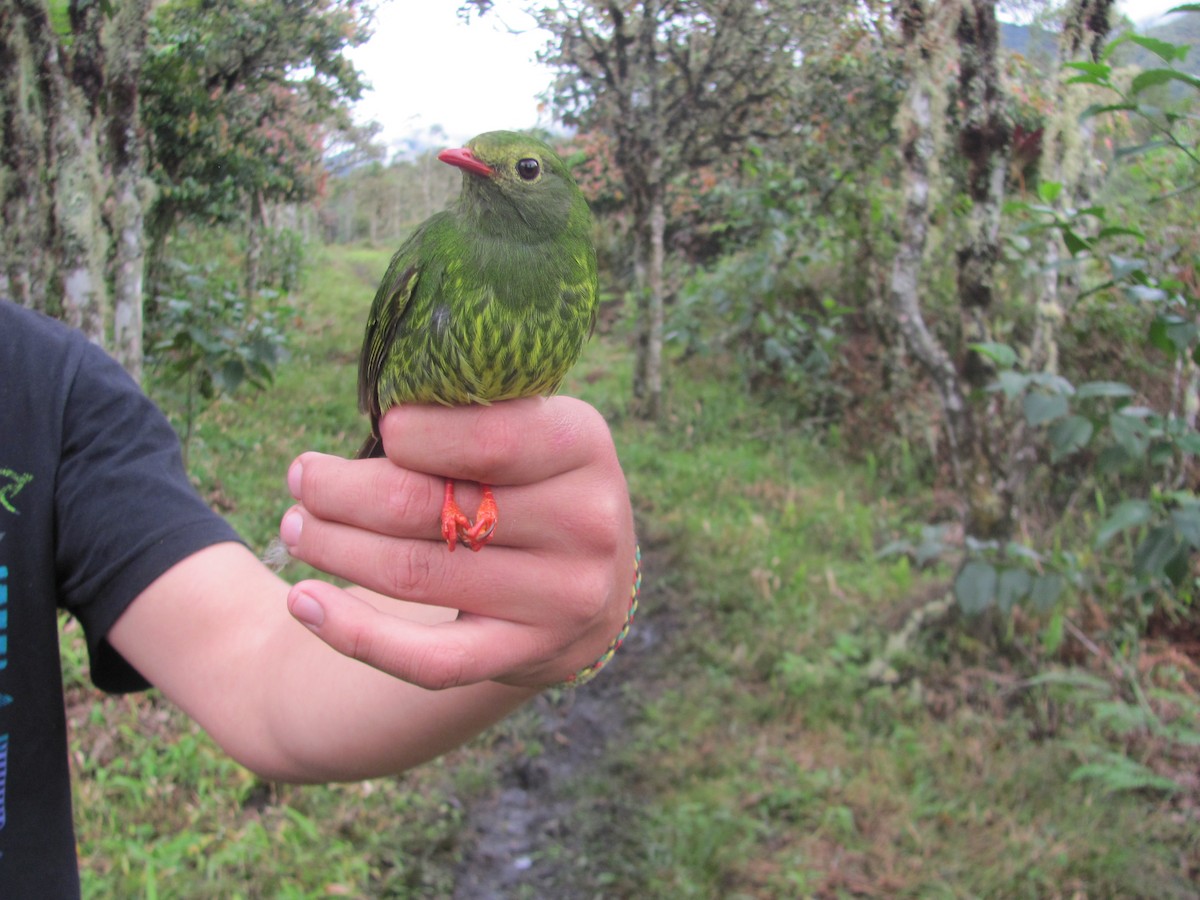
(937, 37)
(1066, 161)
(71, 167)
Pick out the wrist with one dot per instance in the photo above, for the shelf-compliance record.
(587, 673)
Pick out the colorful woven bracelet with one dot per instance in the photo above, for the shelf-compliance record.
(586, 674)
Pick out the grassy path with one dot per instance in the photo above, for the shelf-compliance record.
(737, 748)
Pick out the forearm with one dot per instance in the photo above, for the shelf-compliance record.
(370, 686)
(332, 718)
(275, 697)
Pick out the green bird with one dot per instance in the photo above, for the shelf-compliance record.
(489, 300)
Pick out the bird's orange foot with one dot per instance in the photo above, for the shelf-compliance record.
(455, 523)
(486, 517)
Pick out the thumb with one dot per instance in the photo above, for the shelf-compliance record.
(430, 656)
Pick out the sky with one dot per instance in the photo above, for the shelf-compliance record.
(428, 69)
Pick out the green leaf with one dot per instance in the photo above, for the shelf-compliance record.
(1103, 389)
(1172, 334)
(1098, 109)
(1075, 243)
(1052, 637)
(1011, 588)
(1068, 436)
(1157, 551)
(1187, 525)
(1123, 230)
(1114, 459)
(1122, 266)
(1151, 77)
(1078, 682)
(975, 587)
(1048, 191)
(1002, 355)
(1090, 68)
(1129, 432)
(1145, 293)
(1055, 384)
(1042, 408)
(1013, 384)
(1117, 772)
(1127, 514)
(1045, 591)
(1022, 551)
(1138, 149)
(1164, 50)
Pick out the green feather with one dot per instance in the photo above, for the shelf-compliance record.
(491, 299)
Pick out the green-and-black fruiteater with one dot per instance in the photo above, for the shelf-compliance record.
(491, 299)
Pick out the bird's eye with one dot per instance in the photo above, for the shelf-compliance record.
(528, 169)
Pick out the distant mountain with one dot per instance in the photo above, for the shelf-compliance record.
(1040, 46)
(1179, 29)
(1030, 41)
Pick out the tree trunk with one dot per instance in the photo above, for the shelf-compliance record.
(649, 253)
(131, 188)
(76, 110)
(917, 153)
(26, 226)
(984, 138)
(1065, 161)
(983, 142)
(655, 312)
(641, 322)
(71, 166)
(254, 244)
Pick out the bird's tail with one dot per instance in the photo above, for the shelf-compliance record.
(372, 447)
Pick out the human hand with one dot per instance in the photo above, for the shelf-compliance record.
(542, 601)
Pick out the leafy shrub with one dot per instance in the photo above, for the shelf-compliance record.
(204, 339)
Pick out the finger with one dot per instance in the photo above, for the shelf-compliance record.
(499, 581)
(576, 517)
(576, 508)
(430, 656)
(514, 442)
(371, 493)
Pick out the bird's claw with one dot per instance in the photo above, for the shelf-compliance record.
(457, 527)
(486, 518)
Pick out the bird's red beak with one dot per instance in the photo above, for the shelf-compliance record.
(464, 159)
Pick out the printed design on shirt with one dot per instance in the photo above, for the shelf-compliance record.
(11, 484)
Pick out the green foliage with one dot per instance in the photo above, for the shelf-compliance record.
(769, 301)
(237, 97)
(755, 755)
(1117, 772)
(1128, 445)
(205, 340)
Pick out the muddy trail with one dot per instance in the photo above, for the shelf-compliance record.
(552, 827)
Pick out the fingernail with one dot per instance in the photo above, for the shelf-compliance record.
(307, 610)
(290, 527)
(294, 475)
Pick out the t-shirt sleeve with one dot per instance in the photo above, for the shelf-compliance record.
(125, 509)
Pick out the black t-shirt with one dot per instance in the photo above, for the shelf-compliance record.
(94, 506)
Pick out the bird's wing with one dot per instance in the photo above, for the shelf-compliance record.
(391, 302)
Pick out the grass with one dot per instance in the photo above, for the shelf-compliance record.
(760, 759)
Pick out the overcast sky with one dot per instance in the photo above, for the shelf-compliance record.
(429, 69)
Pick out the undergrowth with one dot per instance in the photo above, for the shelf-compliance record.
(765, 755)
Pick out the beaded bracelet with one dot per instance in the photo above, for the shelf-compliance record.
(586, 674)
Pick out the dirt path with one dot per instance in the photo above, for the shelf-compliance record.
(537, 834)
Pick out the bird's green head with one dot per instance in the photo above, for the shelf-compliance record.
(515, 182)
